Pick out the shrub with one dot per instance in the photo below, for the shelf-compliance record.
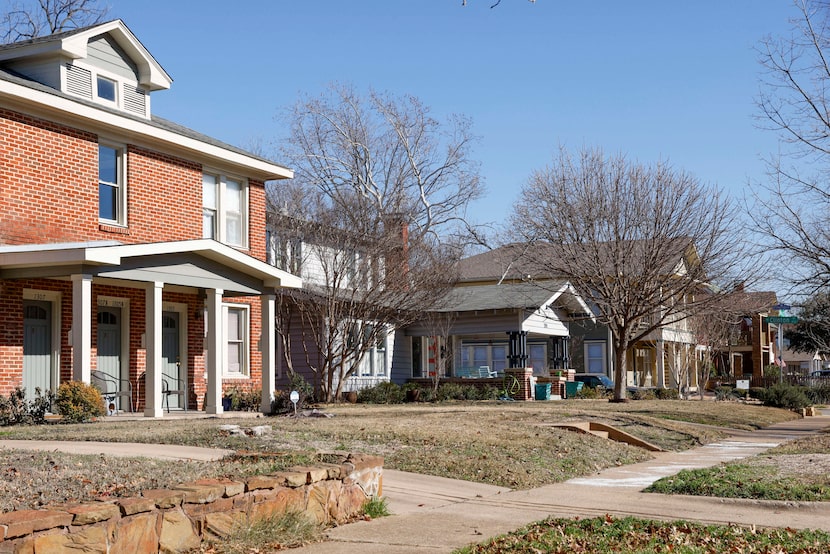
(667, 394)
(382, 393)
(297, 382)
(593, 393)
(78, 402)
(643, 394)
(772, 371)
(449, 391)
(16, 410)
(244, 399)
(819, 394)
(786, 396)
(725, 393)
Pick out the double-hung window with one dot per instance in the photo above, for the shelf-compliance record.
(595, 356)
(112, 196)
(237, 332)
(224, 209)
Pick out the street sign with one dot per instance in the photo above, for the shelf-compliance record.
(782, 319)
(782, 307)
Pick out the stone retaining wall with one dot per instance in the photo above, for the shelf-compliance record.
(180, 518)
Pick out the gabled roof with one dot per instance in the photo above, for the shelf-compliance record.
(73, 44)
(20, 89)
(517, 261)
(512, 296)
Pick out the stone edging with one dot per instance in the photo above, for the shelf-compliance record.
(180, 518)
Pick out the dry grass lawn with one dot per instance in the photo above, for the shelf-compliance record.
(508, 444)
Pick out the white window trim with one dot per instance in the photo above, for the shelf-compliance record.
(604, 346)
(221, 212)
(106, 101)
(119, 80)
(471, 345)
(121, 174)
(246, 341)
(367, 366)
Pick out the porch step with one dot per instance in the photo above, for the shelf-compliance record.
(606, 432)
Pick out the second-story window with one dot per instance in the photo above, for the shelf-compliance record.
(112, 205)
(224, 215)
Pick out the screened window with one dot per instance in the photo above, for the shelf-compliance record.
(111, 193)
(224, 209)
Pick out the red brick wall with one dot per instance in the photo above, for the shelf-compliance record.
(48, 181)
(49, 194)
(49, 190)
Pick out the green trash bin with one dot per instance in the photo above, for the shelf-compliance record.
(572, 387)
(542, 391)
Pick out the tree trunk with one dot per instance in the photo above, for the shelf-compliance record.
(620, 371)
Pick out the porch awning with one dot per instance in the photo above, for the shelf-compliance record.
(201, 263)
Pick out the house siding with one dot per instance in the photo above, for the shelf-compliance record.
(401, 369)
(44, 70)
(105, 54)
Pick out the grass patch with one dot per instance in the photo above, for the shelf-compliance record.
(794, 471)
(376, 507)
(34, 479)
(288, 530)
(631, 535)
(741, 480)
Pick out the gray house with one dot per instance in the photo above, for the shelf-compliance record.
(498, 325)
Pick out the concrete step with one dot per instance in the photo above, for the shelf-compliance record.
(606, 432)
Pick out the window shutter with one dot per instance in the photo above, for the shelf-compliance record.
(135, 100)
(78, 81)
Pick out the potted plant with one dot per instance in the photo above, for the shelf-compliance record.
(412, 392)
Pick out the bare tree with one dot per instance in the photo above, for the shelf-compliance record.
(646, 244)
(27, 19)
(790, 209)
(359, 284)
(387, 155)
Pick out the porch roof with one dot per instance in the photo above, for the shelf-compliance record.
(201, 263)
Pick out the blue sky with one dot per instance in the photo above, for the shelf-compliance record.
(653, 79)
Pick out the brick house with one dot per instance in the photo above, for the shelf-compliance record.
(130, 247)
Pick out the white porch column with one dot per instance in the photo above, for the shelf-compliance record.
(215, 338)
(661, 370)
(268, 350)
(82, 328)
(152, 381)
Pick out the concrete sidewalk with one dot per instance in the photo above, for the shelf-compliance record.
(434, 514)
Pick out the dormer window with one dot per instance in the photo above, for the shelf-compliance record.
(106, 89)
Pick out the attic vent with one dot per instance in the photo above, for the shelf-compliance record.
(135, 100)
(78, 81)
